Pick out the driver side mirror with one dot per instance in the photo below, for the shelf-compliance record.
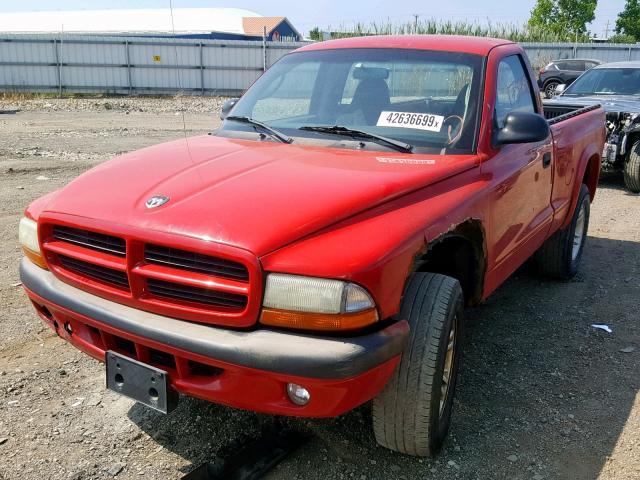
(228, 104)
(522, 127)
(560, 89)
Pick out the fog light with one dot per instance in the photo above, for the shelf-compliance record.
(298, 394)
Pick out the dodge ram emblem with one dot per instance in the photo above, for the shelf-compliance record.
(156, 201)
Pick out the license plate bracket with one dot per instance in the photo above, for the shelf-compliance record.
(140, 382)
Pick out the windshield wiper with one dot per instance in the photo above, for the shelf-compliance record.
(272, 131)
(350, 132)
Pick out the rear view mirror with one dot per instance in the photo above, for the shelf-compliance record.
(522, 127)
(228, 104)
(362, 73)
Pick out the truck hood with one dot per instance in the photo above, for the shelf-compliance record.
(610, 103)
(250, 194)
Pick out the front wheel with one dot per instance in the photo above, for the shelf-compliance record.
(413, 412)
(632, 169)
(550, 89)
(560, 255)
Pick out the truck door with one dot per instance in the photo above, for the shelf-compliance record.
(521, 176)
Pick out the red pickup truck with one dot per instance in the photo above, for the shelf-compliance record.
(317, 251)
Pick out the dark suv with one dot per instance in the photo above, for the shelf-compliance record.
(562, 71)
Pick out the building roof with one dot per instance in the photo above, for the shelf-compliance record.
(256, 25)
(451, 43)
(185, 20)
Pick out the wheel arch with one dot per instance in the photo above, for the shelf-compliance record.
(592, 174)
(588, 174)
(552, 79)
(459, 253)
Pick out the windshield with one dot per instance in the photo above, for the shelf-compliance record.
(426, 99)
(607, 81)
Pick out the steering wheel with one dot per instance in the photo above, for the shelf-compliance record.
(453, 124)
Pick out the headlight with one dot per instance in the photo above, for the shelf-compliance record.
(28, 237)
(294, 301)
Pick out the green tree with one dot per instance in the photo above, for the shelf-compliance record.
(622, 38)
(628, 22)
(563, 17)
(315, 34)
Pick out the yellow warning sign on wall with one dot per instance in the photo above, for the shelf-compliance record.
(156, 58)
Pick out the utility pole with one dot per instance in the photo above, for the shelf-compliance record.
(415, 23)
(606, 31)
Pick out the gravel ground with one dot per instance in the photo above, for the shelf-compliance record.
(542, 395)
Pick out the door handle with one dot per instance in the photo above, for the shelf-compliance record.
(546, 159)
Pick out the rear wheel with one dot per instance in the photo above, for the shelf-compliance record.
(413, 412)
(550, 88)
(560, 255)
(632, 169)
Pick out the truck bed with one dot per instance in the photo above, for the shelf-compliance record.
(558, 113)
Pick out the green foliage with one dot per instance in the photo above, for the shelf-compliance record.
(509, 31)
(622, 38)
(628, 22)
(563, 17)
(315, 34)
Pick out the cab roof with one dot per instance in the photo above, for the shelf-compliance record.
(449, 43)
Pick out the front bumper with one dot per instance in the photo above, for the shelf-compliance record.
(244, 369)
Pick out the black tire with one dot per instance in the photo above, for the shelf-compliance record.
(632, 169)
(550, 88)
(557, 257)
(407, 415)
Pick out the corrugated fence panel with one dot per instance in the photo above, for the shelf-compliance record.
(40, 78)
(165, 79)
(98, 77)
(605, 53)
(229, 80)
(277, 51)
(27, 52)
(76, 53)
(159, 55)
(121, 64)
(541, 54)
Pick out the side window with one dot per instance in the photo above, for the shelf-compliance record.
(513, 91)
(577, 66)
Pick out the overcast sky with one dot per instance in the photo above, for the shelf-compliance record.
(305, 14)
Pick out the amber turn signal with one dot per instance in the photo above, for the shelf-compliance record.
(35, 257)
(318, 321)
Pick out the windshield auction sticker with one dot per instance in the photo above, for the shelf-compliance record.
(420, 121)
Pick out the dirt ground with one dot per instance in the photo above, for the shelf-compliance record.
(542, 395)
